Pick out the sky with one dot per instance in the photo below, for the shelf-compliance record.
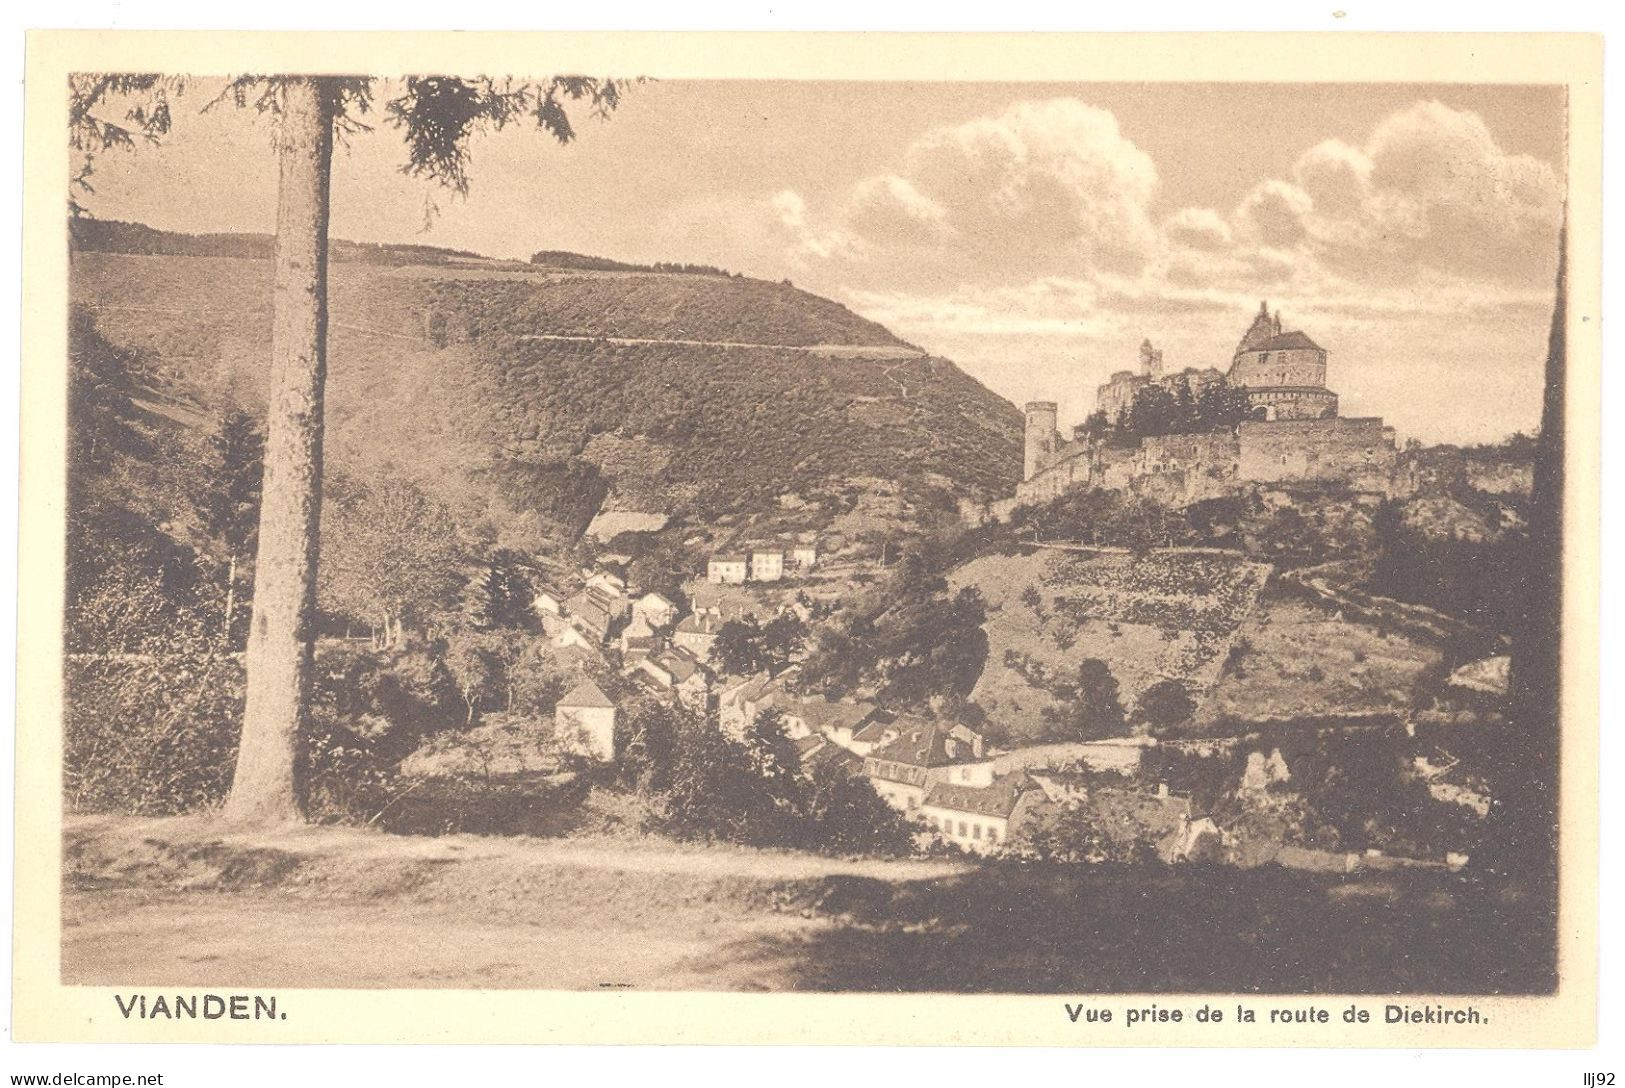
(1033, 233)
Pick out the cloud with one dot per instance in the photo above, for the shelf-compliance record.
(1430, 188)
(1197, 228)
(1041, 189)
(1273, 214)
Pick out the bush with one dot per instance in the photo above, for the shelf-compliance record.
(148, 734)
(1165, 703)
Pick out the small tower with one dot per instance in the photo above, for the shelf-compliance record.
(1150, 360)
(1040, 436)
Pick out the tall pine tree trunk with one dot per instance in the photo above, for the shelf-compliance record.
(267, 786)
(231, 597)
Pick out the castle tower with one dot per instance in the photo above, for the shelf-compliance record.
(1150, 360)
(1040, 436)
(1284, 373)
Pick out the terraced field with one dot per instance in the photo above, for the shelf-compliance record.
(1168, 615)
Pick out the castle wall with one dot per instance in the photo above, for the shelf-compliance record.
(1294, 404)
(1359, 452)
(1071, 469)
(1294, 367)
(1117, 396)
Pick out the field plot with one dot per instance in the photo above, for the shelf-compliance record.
(1292, 657)
(1167, 615)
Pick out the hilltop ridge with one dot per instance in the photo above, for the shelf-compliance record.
(530, 397)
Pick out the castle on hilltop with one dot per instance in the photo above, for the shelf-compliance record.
(1291, 433)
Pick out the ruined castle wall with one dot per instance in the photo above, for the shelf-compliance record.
(1117, 396)
(1183, 468)
(1359, 452)
(1071, 468)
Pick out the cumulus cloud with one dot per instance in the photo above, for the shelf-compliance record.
(1429, 189)
(1273, 214)
(1197, 228)
(1043, 188)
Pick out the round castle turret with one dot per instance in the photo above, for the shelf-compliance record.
(1040, 436)
(1284, 373)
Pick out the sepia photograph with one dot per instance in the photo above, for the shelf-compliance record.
(592, 530)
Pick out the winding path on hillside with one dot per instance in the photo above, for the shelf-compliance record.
(865, 351)
(848, 351)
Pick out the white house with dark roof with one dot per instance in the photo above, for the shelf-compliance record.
(924, 753)
(697, 634)
(981, 818)
(584, 721)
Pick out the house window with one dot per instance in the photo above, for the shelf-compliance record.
(962, 831)
(992, 833)
(975, 831)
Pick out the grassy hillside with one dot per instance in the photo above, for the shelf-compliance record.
(1163, 616)
(524, 397)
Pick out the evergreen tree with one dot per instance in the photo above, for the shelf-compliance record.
(230, 502)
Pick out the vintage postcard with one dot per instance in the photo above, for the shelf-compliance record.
(834, 538)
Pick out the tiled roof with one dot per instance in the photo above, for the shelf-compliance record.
(680, 663)
(699, 625)
(820, 714)
(921, 743)
(872, 732)
(999, 799)
(586, 694)
(1288, 341)
(590, 608)
(730, 557)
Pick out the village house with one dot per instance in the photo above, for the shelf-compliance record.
(679, 672)
(741, 700)
(606, 582)
(591, 614)
(837, 720)
(727, 569)
(655, 610)
(547, 601)
(981, 818)
(766, 564)
(565, 635)
(804, 555)
(816, 752)
(872, 734)
(639, 629)
(721, 602)
(1160, 819)
(584, 721)
(922, 754)
(697, 634)
(636, 649)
